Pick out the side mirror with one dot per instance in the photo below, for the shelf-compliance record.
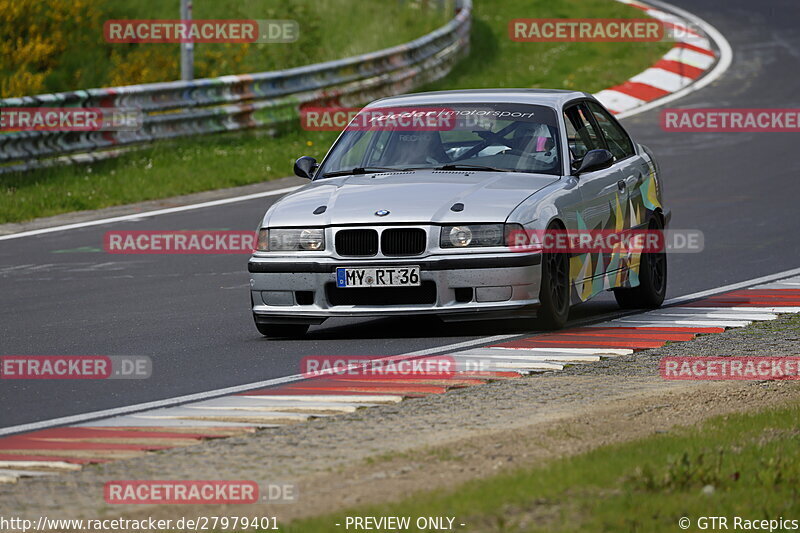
(305, 166)
(595, 160)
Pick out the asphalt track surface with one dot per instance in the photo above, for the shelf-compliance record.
(60, 294)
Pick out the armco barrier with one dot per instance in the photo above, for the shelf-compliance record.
(211, 105)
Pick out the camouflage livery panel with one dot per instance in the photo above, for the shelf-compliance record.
(592, 273)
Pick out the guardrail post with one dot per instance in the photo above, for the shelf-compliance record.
(187, 49)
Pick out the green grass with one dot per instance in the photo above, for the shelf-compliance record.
(744, 465)
(81, 58)
(224, 160)
(497, 61)
(770, 327)
(185, 166)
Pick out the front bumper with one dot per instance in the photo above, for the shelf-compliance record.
(298, 290)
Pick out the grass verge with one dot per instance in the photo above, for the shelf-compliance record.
(745, 465)
(163, 170)
(199, 164)
(497, 61)
(63, 45)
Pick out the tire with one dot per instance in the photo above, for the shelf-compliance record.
(554, 295)
(289, 331)
(652, 280)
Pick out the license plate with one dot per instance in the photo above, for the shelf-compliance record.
(407, 276)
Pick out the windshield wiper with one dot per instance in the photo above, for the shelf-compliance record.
(460, 166)
(363, 170)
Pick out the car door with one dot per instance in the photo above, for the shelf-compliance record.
(630, 211)
(599, 192)
(633, 169)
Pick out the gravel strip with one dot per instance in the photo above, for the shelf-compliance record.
(346, 459)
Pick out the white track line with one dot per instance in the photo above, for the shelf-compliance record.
(677, 323)
(310, 408)
(465, 344)
(721, 316)
(146, 214)
(490, 359)
(584, 351)
(714, 315)
(283, 406)
(500, 364)
(186, 413)
(533, 356)
(362, 399)
(732, 287)
(131, 421)
(757, 310)
(50, 466)
(645, 317)
(683, 309)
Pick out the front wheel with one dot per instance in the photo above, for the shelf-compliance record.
(554, 292)
(652, 280)
(289, 331)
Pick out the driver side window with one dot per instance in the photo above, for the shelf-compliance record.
(581, 134)
(618, 141)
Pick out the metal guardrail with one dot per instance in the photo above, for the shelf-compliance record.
(212, 105)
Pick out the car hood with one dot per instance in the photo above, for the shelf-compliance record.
(410, 197)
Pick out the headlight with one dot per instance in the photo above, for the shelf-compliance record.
(289, 240)
(472, 236)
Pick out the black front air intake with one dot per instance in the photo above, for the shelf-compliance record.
(357, 242)
(425, 294)
(403, 241)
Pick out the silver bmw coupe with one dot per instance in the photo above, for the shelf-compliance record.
(419, 206)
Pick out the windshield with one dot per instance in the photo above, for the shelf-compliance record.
(497, 137)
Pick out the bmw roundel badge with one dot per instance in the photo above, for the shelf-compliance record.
(381, 213)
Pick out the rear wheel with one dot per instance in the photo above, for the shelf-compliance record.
(289, 331)
(554, 292)
(652, 280)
